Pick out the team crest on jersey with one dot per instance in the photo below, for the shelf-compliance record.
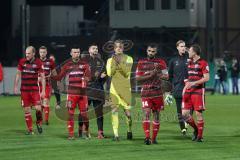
(81, 66)
(176, 63)
(196, 66)
(34, 65)
(207, 68)
(47, 63)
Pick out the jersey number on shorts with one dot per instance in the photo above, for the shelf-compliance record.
(145, 103)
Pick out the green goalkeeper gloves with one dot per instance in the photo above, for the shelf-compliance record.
(168, 100)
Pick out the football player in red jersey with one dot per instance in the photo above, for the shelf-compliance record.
(78, 73)
(149, 73)
(48, 66)
(194, 91)
(29, 69)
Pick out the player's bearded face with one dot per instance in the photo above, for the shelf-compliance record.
(93, 50)
(43, 53)
(118, 48)
(75, 53)
(151, 52)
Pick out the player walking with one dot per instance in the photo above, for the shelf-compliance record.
(149, 73)
(29, 69)
(48, 66)
(194, 91)
(78, 74)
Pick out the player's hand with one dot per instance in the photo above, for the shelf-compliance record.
(103, 75)
(117, 59)
(97, 74)
(151, 73)
(43, 94)
(189, 85)
(154, 72)
(58, 107)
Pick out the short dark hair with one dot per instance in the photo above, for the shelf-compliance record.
(92, 44)
(196, 48)
(43, 47)
(153, 45)
(74, 46)
(179, 42)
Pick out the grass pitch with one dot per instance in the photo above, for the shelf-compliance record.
(221, 136)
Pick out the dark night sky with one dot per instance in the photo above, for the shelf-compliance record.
(5, 25)
(5, 14)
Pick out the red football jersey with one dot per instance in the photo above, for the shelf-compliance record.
(77, 73)
(151, 87)
(48, 66)
(30, 71)
(196, 70)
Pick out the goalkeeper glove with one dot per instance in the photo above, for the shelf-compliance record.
(168, 99)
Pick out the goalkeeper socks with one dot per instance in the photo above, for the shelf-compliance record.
(146, 128)
(28, 119)
(200, 126)
(70, 126)
(129, 123)
(46, 110)
(155, 127)
(191, 122)
(39, 117)
(115, 123)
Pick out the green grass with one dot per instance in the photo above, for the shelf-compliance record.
(221, 135)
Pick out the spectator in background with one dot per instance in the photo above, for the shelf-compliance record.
(234, 75)
(223, 76)
(1, 72)
(216, 76)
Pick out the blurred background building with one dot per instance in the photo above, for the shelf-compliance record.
(58, 24)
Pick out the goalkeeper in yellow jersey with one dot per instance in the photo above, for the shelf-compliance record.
(119, 69)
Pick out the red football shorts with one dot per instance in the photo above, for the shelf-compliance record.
(74, 100)
(154, 103)
(30, 99)
(195, 101)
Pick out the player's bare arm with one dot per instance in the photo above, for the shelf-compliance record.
(201, 81)
(148, 75)
(17, 77)
(43, 81)
(59, 76)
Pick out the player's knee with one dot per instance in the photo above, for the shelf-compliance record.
(38, 108)
(199, 115)
(27, 109)
(45, 102)
(115, 109)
